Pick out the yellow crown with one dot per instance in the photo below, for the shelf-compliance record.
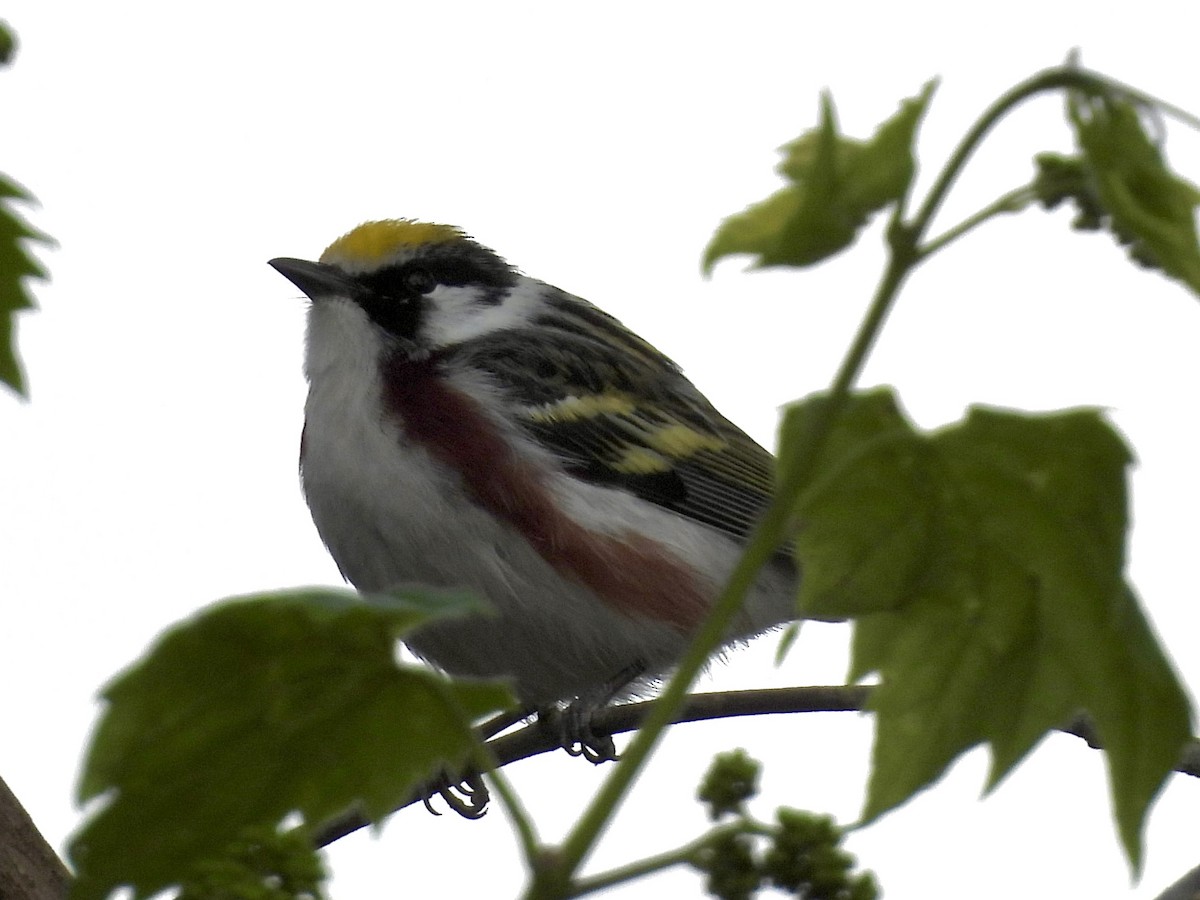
(373, 244)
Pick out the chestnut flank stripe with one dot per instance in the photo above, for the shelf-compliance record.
(631, 573)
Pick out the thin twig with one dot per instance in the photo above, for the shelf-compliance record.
(1013, 201)
(537, 738)
(649, 865)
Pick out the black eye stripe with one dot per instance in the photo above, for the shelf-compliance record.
(399, 282)
(456, 272)
(423, 275)
(397, 315)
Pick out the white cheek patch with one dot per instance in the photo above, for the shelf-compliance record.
(457, 314)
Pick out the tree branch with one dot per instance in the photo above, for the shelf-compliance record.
(1186, 888)
(29, 867)
(542, 736)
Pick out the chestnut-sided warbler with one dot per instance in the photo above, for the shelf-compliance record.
(469, 426)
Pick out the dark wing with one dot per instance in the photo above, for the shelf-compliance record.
(619, 413)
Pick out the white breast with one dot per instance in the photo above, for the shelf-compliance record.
(390, 514)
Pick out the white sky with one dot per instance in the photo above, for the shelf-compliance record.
(177, 148)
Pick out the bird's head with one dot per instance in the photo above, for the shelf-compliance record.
(399, 284)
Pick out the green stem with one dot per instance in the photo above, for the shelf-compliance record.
(531, 846)
(1170, 109)
(1048, 80)
(639, 869)
(1014, 201)
(487, 763)
(684, 855)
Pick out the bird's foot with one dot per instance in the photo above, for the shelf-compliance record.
(467, 796)
(573, 725)
(578, 738)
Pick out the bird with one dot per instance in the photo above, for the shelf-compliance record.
(469, 426)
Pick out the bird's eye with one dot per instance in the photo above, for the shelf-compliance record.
(419, 281)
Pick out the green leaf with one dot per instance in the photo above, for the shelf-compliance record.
(986, 563)
(757, 229)
(15, 265)
(1149, 207)
(262, 864)
(262, 707)
(837, 184)
(1060, 178)
(824, 222)
(8, 44)
(787, 640)
(859, 527)
(1141, 714)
